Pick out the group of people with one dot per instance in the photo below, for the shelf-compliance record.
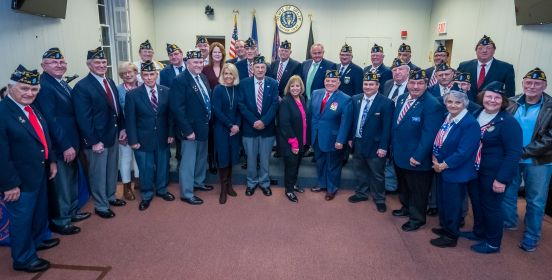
(442, 134)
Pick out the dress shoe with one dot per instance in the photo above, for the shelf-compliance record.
(276, 154)
(34, 266)
(250, 191)
(144, 204)
(292, 197)
(400, 212)
(444, 242)
(470, 235)
(432, 212)
(193, 201)
(65, 230)
(273, 182)
(381, 207)
(166, 196)
(484, 248)
(80, 217)
(527, 248)
(47, 244)
(266, 191)
(438, 231)
(298, 189)
(330, 196)
(205, 188)
(409, 226)
(117, 202)
(105, 214)
(357, 198)
(231, 192)
(318, 189)
(391, 192)
(127, 192)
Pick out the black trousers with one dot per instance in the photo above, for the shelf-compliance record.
(370, 173)
(291, 169)
(414, 188)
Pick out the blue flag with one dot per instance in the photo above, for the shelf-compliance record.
(254, 31)
(275, 44)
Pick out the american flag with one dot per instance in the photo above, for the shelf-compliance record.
(232, 52)
(275, 43)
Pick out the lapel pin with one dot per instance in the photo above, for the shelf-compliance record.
(21, 119)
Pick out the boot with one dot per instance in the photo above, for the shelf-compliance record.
(229, 189)
(136, 182)
(127, 192)
(223, 185)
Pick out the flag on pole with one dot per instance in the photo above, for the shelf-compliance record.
(254, 30)
(310, 41)
(275, 43)
(232, 52)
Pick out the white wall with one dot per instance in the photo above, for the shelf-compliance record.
(142, 26)
(24, 37)
(525, 47)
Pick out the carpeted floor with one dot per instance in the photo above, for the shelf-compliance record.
(270, 238)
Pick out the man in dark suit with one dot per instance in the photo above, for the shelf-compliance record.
(149, 133)
(102, 124)
(245, 66)
(396, 87)
(284, 67)
(175, 68)
(258, 106)
(377, 66)
(445, 75)
(441, 55)
(145, 51)
(313, 71)
(190, 104)
(28, 159)
(416, 120)
(55, 102)
(240, 52)
(203, 45)
(405, 54)
(350, 74)
(369, 138)
(331, 116)
(485, 69)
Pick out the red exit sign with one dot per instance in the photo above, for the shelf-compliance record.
(442, 27)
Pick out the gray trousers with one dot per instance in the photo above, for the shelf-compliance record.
(102, 174)
(390, 176)
(65, 192)
(261, 147)
(193, 167)
(370, 176)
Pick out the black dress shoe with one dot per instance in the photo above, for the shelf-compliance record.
(193, 201)
(292, 197)
(166, 196)
(432, 212)
(249, 191)
(409, 226)
(357, 198)
(318, 189)
(267, 191)
(276, 154)
(298, 189)
(34, 266)
(144, 204)
(381, 207)
(438, 231)
(47, 244)
(105, 214)
(273, 182)
(65, 230)
(330, 196)
(444, 242)
(80, 217)
(117, 202)
(205, 188)
(400, 212)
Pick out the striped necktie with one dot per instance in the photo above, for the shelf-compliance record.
(260, 97)
(153, 100)
(409, 103)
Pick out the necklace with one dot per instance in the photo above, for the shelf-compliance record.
(230, 99)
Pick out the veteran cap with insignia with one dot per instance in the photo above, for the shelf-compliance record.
(441, 48)
(259, 59)
(195, 53)
(285, 45)
(535, 74)
(53, 53)
(96, 53)
(496, 87)
(456, 87)
(145, 46)
(250, 43)
(332, 74)
(376, 49)
(417, 74)
(346, 49)
(404, 48)
(22, 75)
(443, 66)
(369, 76)
(486, 40)
(172, 48)
(147, 66)
(462, 77)
(201, 40)
(397, 62)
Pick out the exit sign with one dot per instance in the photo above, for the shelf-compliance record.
(442, 27)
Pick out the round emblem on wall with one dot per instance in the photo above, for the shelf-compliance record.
(289, 18)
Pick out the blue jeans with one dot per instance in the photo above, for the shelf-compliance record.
(537, 179)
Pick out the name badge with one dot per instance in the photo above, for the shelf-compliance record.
(416, 119)
(347, 80)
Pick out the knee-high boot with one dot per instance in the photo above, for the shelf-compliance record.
(230, 189)
(223, 184)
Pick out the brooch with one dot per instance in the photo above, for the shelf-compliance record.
(333, 107)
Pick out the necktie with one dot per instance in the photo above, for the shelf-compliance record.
(310, 78)
(405, 109)
(326, 97)
(66, 86)
(109, 95)
(204, 95)
(180, 68)
(260, 97)
(153, 100)
(481, 78)
(433, 79)
(363, 118)
(34, 122)
(342, 70)
(250, 68)
(280, 72)
(396, 92)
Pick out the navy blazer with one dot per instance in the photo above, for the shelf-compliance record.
(145, 126)
(21, 151)
(97, 120)
(415, 134)
(389, 86)
(351, 80)
(502, 147)
(293, 67)
(318, 81)
(232, 60)
(248, 107)
(290, 123)
(56, 104)
(243, 70)
(435, 90)
(167, 75)
(188, 107)
(500, 71)
(333, 123)
(459, 150)
(384, 74)
(376, 132)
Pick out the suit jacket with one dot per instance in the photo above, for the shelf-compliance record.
(413, 66)
(145, 126)
(384, 74)
(351, 80)
(320, 75)
(56, 105)
(248, 107)
(243, 70)
(333, 123)
(293, 67)
(232, 60)
(21, 152)
(435, 90)
(188, 108)
(167, 75)
(376, 132)
(290, 123)
(415, 134)
(500, 71)
(429, 73)
(389, 86)
(97, 120)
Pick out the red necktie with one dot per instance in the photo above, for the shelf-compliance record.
(153, 100)
(34, 122)
(109, 95)
(326, 97)
(280, 72)
(481, 78)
